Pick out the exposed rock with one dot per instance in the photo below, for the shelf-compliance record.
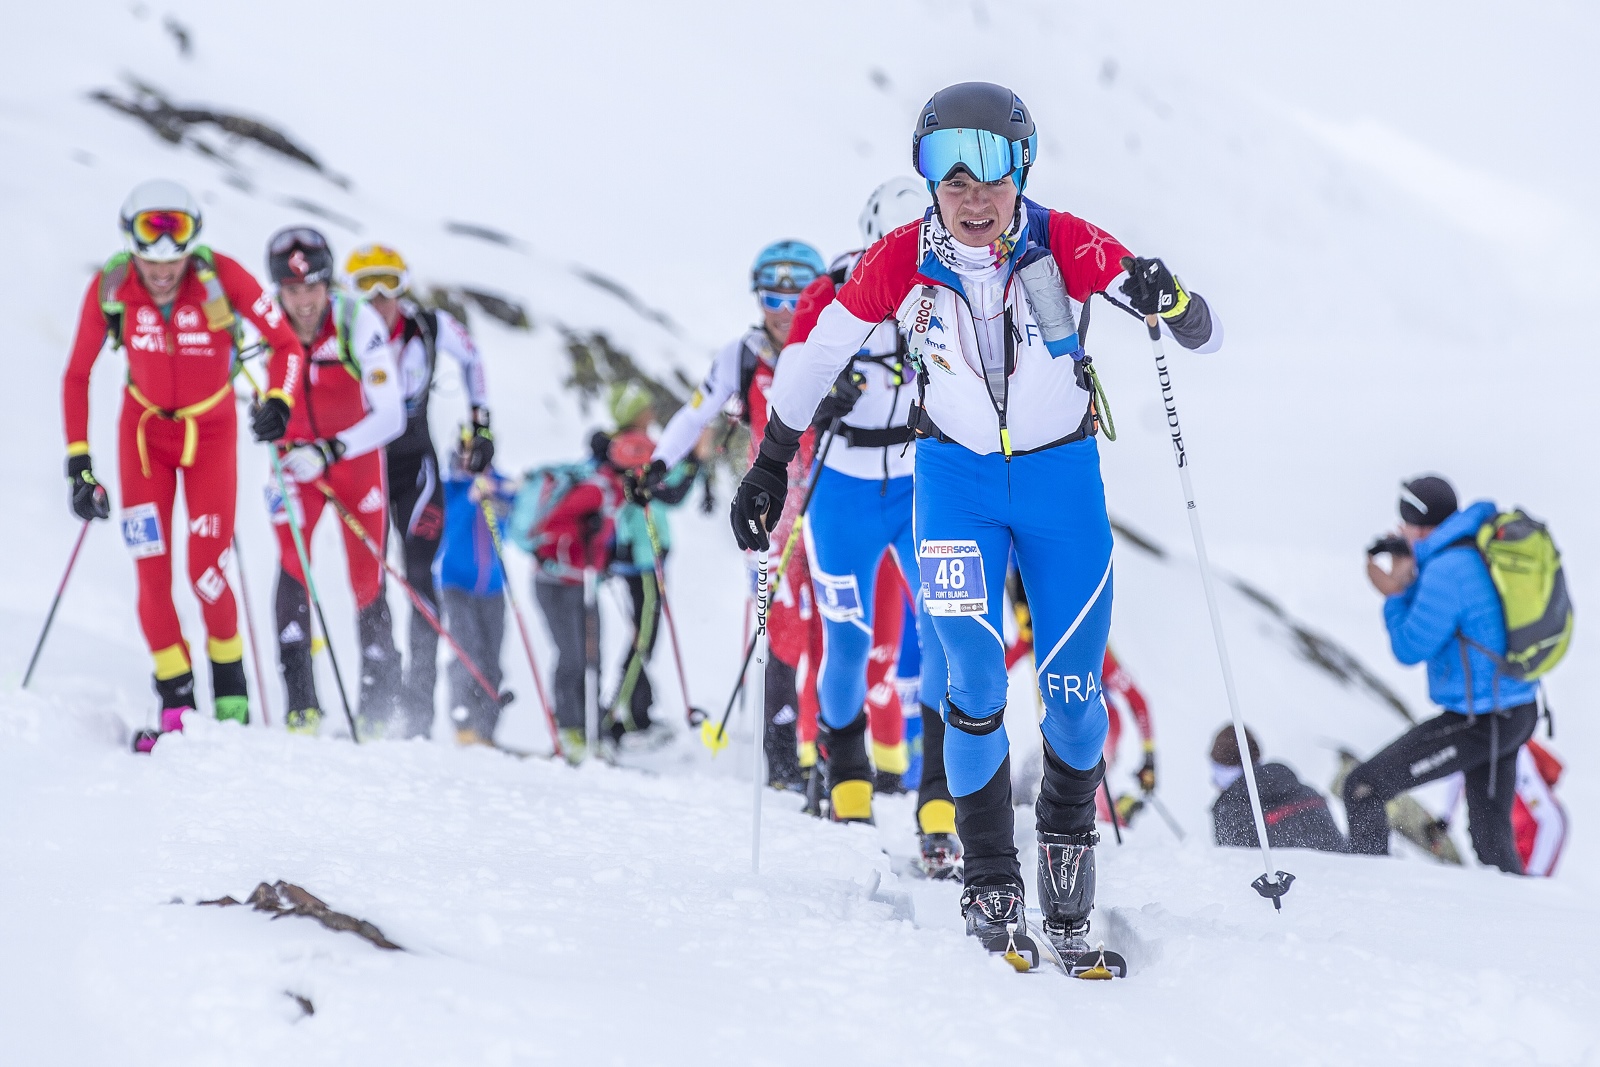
(283, 898)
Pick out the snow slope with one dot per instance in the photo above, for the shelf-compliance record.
(1372, 200)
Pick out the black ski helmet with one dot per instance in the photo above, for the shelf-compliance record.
(978, 106)
(299, 254)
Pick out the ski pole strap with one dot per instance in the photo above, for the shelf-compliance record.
(1102, 406)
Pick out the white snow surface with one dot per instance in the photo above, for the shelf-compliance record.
(1390, 209)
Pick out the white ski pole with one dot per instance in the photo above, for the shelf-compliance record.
(758, 757)
(1270, 885)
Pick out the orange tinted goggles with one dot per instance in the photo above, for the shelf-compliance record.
(148, 227)
(379, 283)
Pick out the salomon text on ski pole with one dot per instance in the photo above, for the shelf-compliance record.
(715, 738)
(758, 761)
(1272, 884)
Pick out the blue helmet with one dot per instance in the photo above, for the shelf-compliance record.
(786, 267)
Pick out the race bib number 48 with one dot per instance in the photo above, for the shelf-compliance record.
(952, 578)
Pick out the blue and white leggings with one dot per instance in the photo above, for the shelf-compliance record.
(850, 523)
(1049, 508)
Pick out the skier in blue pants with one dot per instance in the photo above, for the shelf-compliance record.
(863, 506)
(990, 288)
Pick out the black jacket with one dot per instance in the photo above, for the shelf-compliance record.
(1297, 815)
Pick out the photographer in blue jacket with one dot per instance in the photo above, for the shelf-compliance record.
(1441, 608)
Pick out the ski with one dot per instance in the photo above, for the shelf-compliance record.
(1097, 964)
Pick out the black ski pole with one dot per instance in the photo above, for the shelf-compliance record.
(1111, 806)
(72, 560)
(1166, 816)
(716, 739)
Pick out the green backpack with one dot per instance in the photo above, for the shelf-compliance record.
(1525, 566)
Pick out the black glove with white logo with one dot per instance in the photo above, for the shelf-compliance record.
(1152, 289)
(758, 503)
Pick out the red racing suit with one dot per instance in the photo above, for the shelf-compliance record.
(178, 417)
(361, 406)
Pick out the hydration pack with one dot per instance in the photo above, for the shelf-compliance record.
(1525, 566)
(542, 489)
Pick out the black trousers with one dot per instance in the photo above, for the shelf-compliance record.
(1484, 748)
(562, 605)
(478, 624)
(416, 508)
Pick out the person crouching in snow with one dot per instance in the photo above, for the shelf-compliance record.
(1297, 815)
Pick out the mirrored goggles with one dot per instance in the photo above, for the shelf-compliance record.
(285, 240)
(785, 277)
(988, 156)
(771, 301)
(148, 227)
(379, 283)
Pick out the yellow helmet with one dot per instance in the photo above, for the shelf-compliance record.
(378, 270)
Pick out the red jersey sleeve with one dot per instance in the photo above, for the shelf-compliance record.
(247, 298)
(884, 276)
(817, 295)
(86, 345)
(1089, 257)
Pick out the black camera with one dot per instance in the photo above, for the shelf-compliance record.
(1393, 544)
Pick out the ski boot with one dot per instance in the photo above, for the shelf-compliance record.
(230, 699)
(812, 781)
(177, 697)
(998, 917)
(940, 857)
(1066, 890)
(574, 744)
(466, 735)
(303, 721)
(849, 772)
(936, 833)
(888, 783)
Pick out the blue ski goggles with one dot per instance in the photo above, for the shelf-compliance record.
(986, 155)
(784, 276)
(772, 301)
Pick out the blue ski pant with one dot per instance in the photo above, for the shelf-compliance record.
(850, 523)
(1049, 508)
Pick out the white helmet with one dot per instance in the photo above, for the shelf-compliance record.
(891, 205)
(160, 220)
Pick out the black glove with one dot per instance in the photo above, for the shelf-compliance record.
(269, 418)
(641, 486)
(1147, 772)
(841, 399)
(758, 502)
(1152, 289)
(478, 442)
(89, 500)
